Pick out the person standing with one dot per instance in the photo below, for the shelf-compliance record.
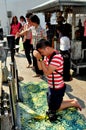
(22, 20)
(27, 36)
(53, 71)
(49, 32)
(84, 41)
(39, 33)
(15, 27)
(65, 52)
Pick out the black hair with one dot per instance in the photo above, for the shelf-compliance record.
(48, 24)
(42, 44)
(28, 15)
(60, 28)
(13, 20)
(35, 19)
(22, 17)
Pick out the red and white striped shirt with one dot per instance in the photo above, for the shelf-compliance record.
(57, 61)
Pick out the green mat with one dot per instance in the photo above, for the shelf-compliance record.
(34, 107)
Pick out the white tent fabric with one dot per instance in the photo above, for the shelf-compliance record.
(54, 5)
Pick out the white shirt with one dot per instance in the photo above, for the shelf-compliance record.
(64, 43)
(39, 33)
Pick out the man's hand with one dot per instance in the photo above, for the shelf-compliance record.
(37, 54)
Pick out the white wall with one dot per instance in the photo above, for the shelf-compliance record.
(3, 15)
(17, 7)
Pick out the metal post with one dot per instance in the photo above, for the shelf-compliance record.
(12, 100)
(12, 69)
(17, 84)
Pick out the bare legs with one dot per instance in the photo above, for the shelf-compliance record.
(70, 103)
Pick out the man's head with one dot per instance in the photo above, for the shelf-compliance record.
(28, 16)
(35, 20)
(44, 47)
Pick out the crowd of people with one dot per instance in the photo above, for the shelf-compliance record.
(39, 42)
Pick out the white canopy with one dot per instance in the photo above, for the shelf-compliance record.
(55, 5)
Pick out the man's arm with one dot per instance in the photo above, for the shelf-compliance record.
(47, 69)
(41, 64)
(23, 32)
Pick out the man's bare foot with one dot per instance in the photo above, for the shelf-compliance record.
(77, 105)
(37, 75)
(28, 66)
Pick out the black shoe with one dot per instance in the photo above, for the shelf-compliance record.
(51, 115)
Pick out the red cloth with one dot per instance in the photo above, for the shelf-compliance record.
(15, 28)
(85, 28)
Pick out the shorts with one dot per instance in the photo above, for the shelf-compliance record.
(55, 98)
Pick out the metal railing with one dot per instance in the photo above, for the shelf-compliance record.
(8, 103)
